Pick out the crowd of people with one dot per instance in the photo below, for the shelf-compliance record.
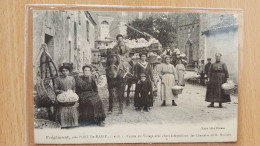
(89, 108)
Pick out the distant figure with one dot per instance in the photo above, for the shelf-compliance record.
(201, 71)
(218, 74)
(196, 67)
(169, 78)
(144, 93)
(180, 72)
(175, 56)
(207, 67)
(167, 51)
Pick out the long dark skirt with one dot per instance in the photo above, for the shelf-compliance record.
(214, 91)
(91, 109)
(145, 100)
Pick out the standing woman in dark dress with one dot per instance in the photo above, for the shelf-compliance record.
(143, 67)
(91, 109)
(218, 74)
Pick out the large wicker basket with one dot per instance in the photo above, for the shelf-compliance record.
(176, 91)
(45, 96)
(228, 91)
(228, 88)
(67, 103)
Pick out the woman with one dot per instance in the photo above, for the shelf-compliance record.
(168, 78)
(143, 67)
(90, 105)
(180, 72)
(66, 115)
(218, 74)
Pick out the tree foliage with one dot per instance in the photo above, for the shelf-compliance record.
(160, 28)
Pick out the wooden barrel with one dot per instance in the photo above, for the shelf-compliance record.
(45, 94)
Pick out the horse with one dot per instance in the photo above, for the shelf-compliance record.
(117, 74)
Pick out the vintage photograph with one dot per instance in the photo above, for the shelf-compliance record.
(135, 76)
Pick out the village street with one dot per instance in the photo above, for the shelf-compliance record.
(191, 108)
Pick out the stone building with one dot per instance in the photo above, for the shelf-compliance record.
(220, 34)
(188, 35)
(69, 36)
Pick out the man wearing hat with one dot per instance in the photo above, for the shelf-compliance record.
(207, 66)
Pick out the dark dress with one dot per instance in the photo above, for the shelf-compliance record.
(218, 74)
(90, 105)
(144, 88)
(143, 69)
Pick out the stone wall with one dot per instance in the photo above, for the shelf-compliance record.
(188, 35)
(65, 33)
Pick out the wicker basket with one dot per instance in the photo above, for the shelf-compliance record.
(176, 91)
(45, 94)
(228, 88)
(228, 91)
(67, 103)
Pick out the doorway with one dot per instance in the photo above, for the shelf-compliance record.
(189, 52)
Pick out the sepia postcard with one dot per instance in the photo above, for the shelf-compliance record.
(100, 74)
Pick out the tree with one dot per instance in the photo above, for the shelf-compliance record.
(157, 26)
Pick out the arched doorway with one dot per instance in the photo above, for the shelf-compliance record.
(189, 52)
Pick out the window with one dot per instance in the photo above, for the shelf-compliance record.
(87, 27)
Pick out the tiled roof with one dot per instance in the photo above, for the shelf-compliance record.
(225, 25)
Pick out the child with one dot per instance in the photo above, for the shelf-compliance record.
(144, 90)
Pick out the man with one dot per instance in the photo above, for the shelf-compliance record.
(167, 51)
(120, 48)
(201, 71)
(207, 66)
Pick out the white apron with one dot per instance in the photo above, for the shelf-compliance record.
(168, 81)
